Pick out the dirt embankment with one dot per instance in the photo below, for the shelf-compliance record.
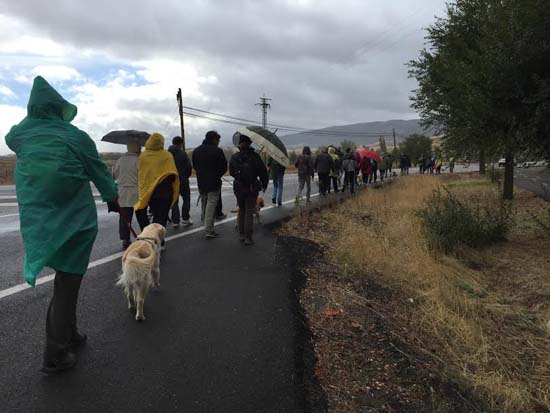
(395, 327)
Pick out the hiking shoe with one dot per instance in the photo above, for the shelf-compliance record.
(221, 216)
(248, 242)
(280, 204)
(176, 225)
(78, 339)
(186, 222)
(242, 238)
(212, 235)
(63, 362)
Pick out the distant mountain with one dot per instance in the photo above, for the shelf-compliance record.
(317, 138)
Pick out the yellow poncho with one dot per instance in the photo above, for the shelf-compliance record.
(155, 164)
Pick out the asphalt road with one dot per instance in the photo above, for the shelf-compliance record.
(221, 333)
(536, 180)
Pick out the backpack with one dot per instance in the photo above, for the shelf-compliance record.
(245, 171)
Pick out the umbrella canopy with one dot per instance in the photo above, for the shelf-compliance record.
(124, 137)
(370, 154)
(265, 140)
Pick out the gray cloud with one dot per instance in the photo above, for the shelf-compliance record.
(322, 62)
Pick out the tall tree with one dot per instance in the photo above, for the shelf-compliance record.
(482, 79)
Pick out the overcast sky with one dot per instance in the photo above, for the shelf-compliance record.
(323, 62)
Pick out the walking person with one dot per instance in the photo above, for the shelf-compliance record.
(382, 168)
(373, 171)
(452, 164)
(55, 163)
(251, 176)
(277, 174)
(366, 168)
(421, 164)
(184, 168)
(349, 166)
(323, 166)
(336, 168)
(210, 165)
(158, 179)
(126, 176)
(306, 170)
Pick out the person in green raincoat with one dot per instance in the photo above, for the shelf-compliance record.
(55, 163)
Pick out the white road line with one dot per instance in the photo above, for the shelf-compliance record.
(9, 215)
(42, 280)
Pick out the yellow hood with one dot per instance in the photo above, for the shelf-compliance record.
(155, 142)
(155, 165)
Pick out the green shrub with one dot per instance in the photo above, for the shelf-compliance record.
(449, 221)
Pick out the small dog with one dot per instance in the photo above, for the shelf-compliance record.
(140, 267)
(260, 203)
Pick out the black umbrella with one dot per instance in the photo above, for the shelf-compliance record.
(124, 137)
(265, 140)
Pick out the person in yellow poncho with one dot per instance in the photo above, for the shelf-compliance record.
(158, 182)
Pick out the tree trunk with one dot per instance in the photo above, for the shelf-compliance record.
(482, 168)
(508, 188)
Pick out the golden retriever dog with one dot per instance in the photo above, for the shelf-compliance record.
(260, 203)
(140, 267)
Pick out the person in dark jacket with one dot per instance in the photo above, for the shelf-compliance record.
(184, 171)
(349, 166)
(277, 174)
(210, 164)
(324, 165)
(251, 176)
(306, 170)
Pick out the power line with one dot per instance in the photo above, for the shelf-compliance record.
(280, 127)
(309, 131)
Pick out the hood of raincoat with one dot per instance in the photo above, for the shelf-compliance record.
(331, 151)
(155, 142)
(46, 103)
(155, 165)
(55, 163)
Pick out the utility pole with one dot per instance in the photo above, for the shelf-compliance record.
(265, 106)
(394, 140)
(180, 107)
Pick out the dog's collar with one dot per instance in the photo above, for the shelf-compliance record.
(151, 241)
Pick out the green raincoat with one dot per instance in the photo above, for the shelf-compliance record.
(55, 163)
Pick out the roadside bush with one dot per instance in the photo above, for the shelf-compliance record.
(448, 221)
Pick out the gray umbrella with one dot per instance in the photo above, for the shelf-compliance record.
(266, 140)
(124, 137)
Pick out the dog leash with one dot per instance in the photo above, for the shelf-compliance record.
(128, 223)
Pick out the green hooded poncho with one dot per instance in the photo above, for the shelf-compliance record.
(55, 163)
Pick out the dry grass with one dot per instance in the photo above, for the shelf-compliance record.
(482, 315)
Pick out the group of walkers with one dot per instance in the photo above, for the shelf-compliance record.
(338, 171)
(56, 162)
(432, 165)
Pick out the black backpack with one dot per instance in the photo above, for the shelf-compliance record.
(245, 172)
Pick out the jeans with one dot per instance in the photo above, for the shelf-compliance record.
(125, 216)
(61, 317)
(247, 205)
(304, 180)
(185, 193)
(277, 196)
(209, 202)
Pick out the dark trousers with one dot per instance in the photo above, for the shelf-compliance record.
(349, 179)
(373, 176)
(334, 180)
(247, 205)
(219, 206)
(382, 174)
(160, 207)
(126, 213)
(185, 193)
(324, 183)
(61, 318)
